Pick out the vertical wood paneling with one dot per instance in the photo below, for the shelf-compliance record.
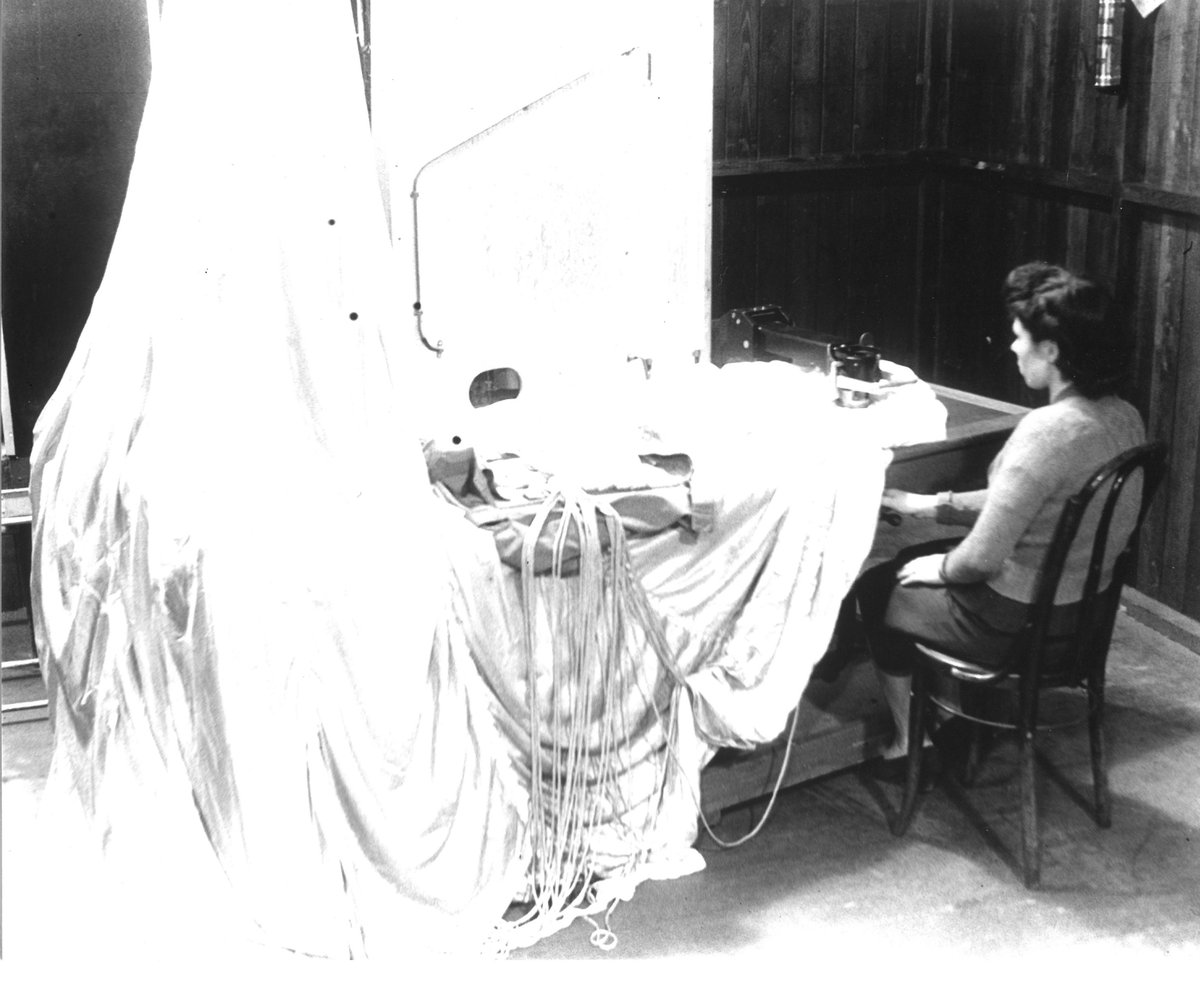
(1168, 365)
(1167, 303)
(917, 255)
(797, 79)
(1138, 73)
(927, 325)
(720, 253)
(975, 68)
(1171, 144)
(802, 301)
(899, 256)
(1159, 130)
(807, 66)
(939, 32)
(1190, 98)
(866, 272)
(971, 216)
(1098, 115)
(837, 105)
(1107, 136)
(1158, 249)
(1078, 224)
(775, 79)
(901, 94)
(834, 290)
(771, 249)
(1174, 412)
(734, 279)
(1148, 337)
(1082, 123)
(1025, 91)
(1029, 222)
(1101, 248)
(1044, 53)
(1189, 391)
(741, 74)
(1000, 59)
(1064, 82)
(720, 80)
(870, 75)
(1187, 176)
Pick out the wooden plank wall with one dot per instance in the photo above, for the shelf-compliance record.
(813, 102)
(1164, 269)
(880, 164)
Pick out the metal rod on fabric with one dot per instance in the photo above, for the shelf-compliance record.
(438, 348)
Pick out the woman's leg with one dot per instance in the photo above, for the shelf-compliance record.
(892, 654)
(896, 692)
(969, 620)
(842, 644)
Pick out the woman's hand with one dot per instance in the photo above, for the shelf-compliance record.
(922, 571)
(910, 503)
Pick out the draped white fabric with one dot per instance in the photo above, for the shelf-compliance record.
(745, 606)
(286, 679)
(244, 630)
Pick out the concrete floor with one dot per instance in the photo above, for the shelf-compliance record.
(826, 883)
(826, 870)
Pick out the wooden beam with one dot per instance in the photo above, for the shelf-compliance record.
(1114, 193)
(1187, 204)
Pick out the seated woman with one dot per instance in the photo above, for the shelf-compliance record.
(975, 597)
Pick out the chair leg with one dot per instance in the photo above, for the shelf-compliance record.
(970, 770)
(1030, 839)
(1099, 755)
(916, 737)
(967, 762)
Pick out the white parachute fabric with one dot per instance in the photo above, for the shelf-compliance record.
(292, 689)
(720, 628)
(241, 592)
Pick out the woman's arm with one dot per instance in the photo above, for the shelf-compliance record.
(1005, 516)
(948, 508)
(909, 503)
(1024, 479)
(960, 508)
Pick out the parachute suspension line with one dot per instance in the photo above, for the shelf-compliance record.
(575, 722)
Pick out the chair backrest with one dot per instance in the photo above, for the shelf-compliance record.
(1088, 641)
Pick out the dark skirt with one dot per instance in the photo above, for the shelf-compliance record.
(968, 620)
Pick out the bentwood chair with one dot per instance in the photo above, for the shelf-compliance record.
(1007, 698)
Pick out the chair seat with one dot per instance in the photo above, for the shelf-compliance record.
(960, 667)
(1055, 672)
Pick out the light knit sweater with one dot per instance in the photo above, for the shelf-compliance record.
(1049, 457)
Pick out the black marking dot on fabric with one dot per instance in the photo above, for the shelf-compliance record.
(354, 316)
(332, 222)
(456, 440)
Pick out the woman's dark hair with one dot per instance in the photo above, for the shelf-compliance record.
(1077, 314)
